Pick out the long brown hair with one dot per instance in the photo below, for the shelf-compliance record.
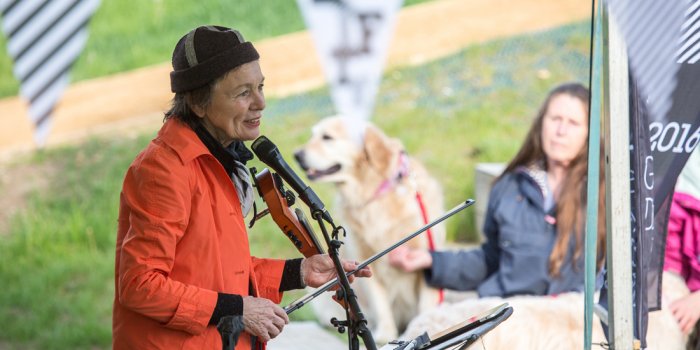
(570, 206)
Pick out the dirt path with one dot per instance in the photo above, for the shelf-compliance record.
(133, 101)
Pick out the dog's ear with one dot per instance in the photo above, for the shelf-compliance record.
(381, 151)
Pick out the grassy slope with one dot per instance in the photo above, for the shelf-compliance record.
(56, 265)
(130, 34)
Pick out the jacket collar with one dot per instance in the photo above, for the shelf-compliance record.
(227, 156)
(533, 183)
(182, 139)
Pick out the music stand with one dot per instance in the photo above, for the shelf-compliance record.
(461, 335)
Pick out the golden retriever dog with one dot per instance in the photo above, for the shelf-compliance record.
(551, 322)
(378, 190)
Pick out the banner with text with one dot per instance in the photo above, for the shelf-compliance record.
(663, 46)
(352, 39)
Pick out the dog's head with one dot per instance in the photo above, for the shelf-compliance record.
(342, 149)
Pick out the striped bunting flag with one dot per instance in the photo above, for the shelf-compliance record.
(652, 29)
(689, 52)
(45, 39)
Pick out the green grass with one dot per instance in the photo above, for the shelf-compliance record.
(56, 263)
(129, 34)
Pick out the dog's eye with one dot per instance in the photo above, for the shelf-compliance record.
(327, 137)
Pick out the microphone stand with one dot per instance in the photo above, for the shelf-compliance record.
(356, 322)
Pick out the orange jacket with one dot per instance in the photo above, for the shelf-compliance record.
(181, 239)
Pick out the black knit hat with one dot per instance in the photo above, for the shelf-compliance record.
(205, 54)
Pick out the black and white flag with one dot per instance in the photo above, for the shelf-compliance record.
(689, 51)
(663, 47)
(352, 40)
(44, 39)
(651, 29)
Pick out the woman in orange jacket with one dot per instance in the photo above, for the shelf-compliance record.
(182, 258)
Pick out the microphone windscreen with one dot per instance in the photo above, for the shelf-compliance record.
(263, 148)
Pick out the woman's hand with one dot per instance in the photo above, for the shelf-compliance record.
(263, 318)
(410, 260)
(686, 310)
(319, 269)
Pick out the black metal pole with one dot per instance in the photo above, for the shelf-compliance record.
(356, 323)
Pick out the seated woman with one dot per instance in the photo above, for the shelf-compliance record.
(535, 217)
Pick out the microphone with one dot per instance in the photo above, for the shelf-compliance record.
(268, 153)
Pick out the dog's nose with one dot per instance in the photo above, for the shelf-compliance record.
(300, 158)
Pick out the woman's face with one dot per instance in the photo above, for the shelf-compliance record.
(564, 129)
(237, 102)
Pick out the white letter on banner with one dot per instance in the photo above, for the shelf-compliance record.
(351, 37)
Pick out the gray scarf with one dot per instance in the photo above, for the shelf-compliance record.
(233, 159)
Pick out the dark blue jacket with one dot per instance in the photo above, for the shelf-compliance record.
(514, 259)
